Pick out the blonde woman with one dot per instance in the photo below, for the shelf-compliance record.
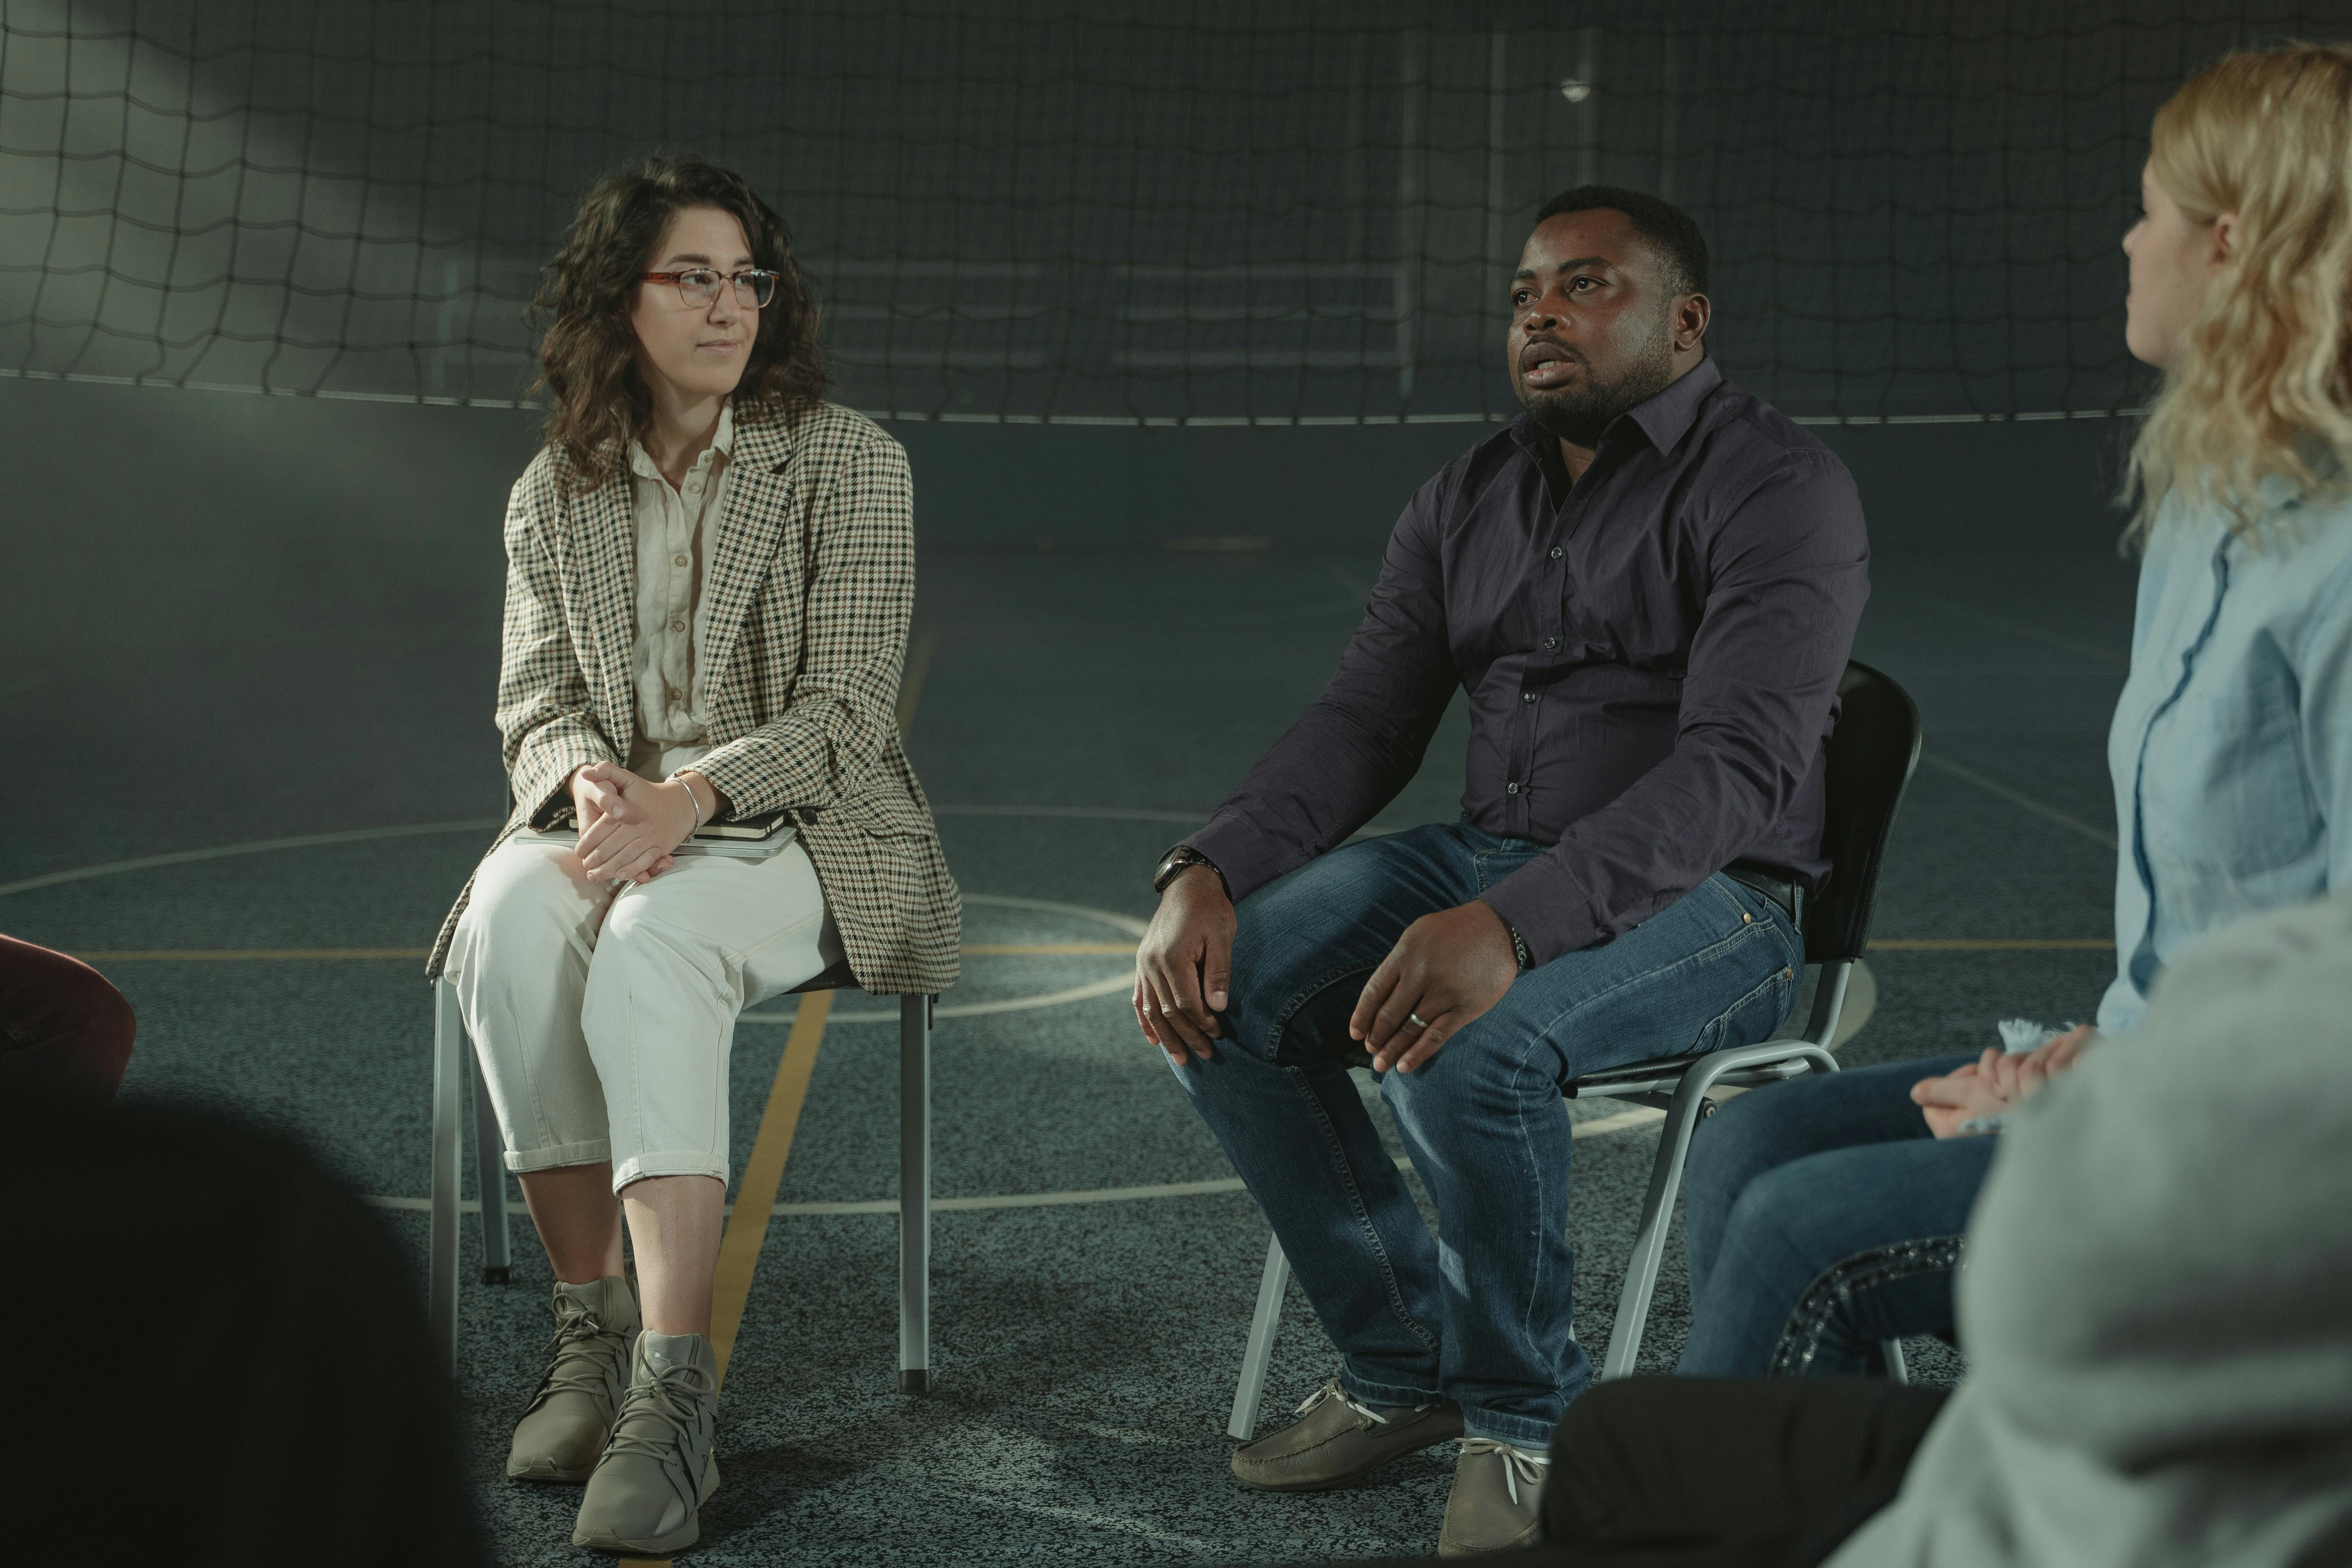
(1827, 1216)
(710, 575)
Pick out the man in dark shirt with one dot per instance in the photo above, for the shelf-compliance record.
(1646, 586)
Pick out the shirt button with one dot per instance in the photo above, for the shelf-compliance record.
(1551, 642)
(681, 561)
(1557, 553)
(1512, 787)
(678, 625)
(1527, 697)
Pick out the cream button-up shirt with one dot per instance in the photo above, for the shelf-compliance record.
(673, 563)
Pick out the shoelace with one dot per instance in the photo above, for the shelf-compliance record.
(573, 1364)
(657, 1421)
(1518, 1465)
(1332, 1390)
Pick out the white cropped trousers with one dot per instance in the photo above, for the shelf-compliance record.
(603, 1022)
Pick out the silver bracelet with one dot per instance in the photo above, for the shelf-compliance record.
(690, 800)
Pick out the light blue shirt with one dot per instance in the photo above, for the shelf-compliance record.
(2232, 749)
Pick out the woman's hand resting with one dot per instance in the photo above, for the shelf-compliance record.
(1996, 1083)
(629, 824)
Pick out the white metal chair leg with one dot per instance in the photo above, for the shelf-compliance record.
(490, 1176)
(1897, 1369)
(1264, 1325)
(914, 1195)
(1650, 1240)
(1683, 1113)
(441, 1248)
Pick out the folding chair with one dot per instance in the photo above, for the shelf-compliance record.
(453, 1066)
(1872, 754)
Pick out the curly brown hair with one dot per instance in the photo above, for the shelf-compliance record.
(597, 396)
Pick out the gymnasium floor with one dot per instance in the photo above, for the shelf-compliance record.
(250, 795)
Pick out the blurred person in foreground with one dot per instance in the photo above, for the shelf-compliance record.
(2159, 1312)
(710, 575)
(1646, 586)
(182, 1333)
(1827, 1214)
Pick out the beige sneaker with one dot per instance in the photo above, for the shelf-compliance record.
(1340, 1440)
(646, 1495)
(569, 1419)
(1497, 1498)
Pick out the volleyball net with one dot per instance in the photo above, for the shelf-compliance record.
(1206, 213)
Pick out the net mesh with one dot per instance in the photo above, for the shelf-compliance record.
(1205, 213)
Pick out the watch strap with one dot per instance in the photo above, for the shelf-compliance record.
(1175, 861)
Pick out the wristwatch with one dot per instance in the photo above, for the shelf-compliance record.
(1175, 860)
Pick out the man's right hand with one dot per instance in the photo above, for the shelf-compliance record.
(1184, 965)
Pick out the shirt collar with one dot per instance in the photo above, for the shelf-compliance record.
(722, 442)
(1665, 418)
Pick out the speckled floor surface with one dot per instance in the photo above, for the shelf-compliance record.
(1084, 1354)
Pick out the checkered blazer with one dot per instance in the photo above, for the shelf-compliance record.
(810, 586)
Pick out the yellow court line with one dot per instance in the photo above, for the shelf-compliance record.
(1994, 944)
(1049, 949)
(763, 1173)
(218, 954)
(209, 954)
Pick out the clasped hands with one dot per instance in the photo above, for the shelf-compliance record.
(1445, 970)
(629, 824)
(1996, 1083)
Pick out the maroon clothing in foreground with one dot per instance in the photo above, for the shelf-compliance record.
(62, 1026)
(1651, 656)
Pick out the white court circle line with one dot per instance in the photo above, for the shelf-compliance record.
(1127, 925)
(486, 824)
(1597, 1127)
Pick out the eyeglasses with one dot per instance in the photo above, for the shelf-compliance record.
(700, 285)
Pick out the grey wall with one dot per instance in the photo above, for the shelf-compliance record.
(188, 563)
(2037, 487)
(140, 520)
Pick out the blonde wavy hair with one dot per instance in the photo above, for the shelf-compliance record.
(2265, 368)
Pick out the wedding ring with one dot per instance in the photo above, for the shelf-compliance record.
(1416, 1020)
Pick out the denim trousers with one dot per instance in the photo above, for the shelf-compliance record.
(1824, 1219)
(1482, 1313)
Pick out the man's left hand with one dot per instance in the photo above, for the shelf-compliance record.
(1447, 968)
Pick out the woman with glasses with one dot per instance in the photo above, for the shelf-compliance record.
(710, 575)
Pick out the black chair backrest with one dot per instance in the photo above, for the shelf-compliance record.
(1872, 754)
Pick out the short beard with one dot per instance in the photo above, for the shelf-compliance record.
(1578, 417)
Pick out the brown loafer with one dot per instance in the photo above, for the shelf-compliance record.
(1338, 1440)
(1496, 1502)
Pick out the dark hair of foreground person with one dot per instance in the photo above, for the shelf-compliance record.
(184, 1338)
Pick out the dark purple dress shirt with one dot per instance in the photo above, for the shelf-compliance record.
(1651, 658)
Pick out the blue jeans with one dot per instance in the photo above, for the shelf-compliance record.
(1482, 1313)
(1824, 1219)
